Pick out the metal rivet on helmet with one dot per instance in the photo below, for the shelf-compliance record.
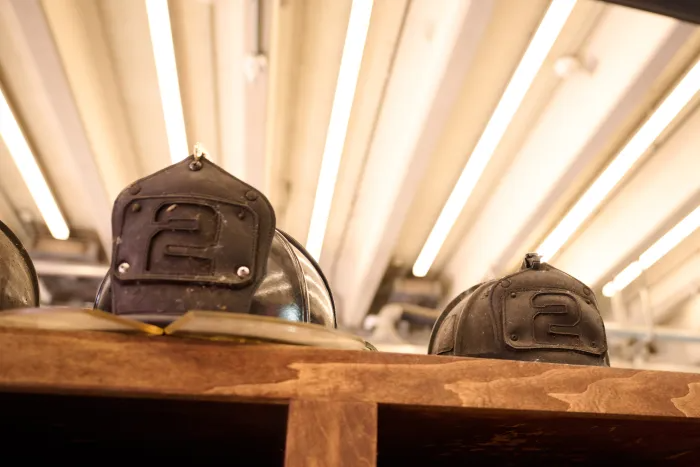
(243, 272)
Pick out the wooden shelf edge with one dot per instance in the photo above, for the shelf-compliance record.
(137, 366)
(342, 434)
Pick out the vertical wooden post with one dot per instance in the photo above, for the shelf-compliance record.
(327, 433)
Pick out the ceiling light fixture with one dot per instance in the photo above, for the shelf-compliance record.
(658, 250)
(530, 64)
(166, 70)
(346, 86)
(28, 168)
(623, 162)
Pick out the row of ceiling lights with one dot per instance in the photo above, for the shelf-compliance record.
(540, 46)
(166, 69)
(654, 253)
(530, 64)
(30, 172)
(532, 60)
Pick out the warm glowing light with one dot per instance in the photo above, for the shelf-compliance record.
(623, 162)
(166, 69)
(353, 50)
(522, 79)
(654, 253)
(28, 168)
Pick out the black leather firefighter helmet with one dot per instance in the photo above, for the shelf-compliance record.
(537, 314)
(194, 237)
(19, 286)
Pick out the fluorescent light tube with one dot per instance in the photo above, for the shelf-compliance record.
(627, 275)
(350, 62)
(658, 250)
(609, 289)
(166, 69)
(31, 173)
(522, 79)
(671, 239)
(623, 162)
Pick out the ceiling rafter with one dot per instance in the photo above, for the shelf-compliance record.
(388, 19)
(435, 51)
(241, 41)
(52, 98)
(77, 29)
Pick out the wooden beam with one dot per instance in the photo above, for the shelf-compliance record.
(217, 398)
(323, 433)
(167, 367)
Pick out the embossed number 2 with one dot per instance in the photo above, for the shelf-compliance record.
(199, 246)
(556, 318)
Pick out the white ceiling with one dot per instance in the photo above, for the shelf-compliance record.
(257, 87)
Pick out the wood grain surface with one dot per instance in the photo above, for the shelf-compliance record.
(325, 433)
(158, 366)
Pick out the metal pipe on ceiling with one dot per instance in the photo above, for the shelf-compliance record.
(63, 268)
